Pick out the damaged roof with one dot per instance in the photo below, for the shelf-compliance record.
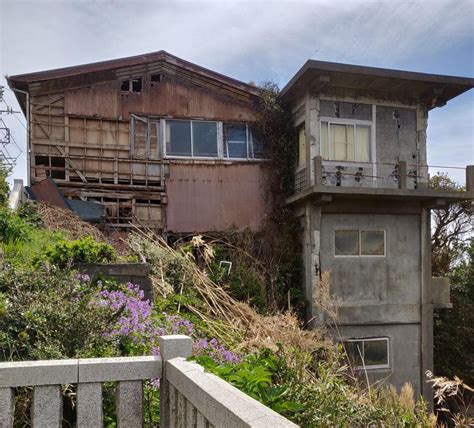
(21, 81)
(433, 90)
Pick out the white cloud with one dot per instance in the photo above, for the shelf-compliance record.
(249, 40)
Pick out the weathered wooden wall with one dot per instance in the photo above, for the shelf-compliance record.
(80, 136)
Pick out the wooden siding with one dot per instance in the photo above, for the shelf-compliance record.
(80, 137)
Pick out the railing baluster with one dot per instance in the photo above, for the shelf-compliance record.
(7, 407)
(129, 400)
(181, 410)
(173, 400)
(200, 421)
(89, 405)
(47, 408)
(191, 414)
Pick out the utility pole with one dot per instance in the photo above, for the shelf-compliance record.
(7, 158)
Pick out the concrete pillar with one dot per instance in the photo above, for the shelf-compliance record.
(89, 405)
(7, 409)
(402, 175)
(470, 178)
(426, 307)
(47, 411)
(171, 347)
(129, 400)
(318, 170)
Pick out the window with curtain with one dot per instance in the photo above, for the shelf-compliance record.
(345, 142)
(301, 147)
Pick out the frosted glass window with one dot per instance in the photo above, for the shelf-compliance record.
(204, 139)
(324, 140)
(359, 243)
(362, 145)
(345, 142)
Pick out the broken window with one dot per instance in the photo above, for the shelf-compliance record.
(368, 353)
(131, 85)
(144, 138)
(359, 243)
(155, 79)
(345, 142)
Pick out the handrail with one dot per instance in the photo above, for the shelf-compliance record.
(189, 397)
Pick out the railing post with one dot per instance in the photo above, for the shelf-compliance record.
(470, 178)
(170, 347)
(402, 175)
(318, 170)
(7, 407)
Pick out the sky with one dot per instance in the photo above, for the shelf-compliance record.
(252, 41)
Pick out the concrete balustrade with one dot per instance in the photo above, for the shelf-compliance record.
(189, 397)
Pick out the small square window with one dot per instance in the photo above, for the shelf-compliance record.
(368, 353)
(155, 79)
(137, 85)
(347, 242)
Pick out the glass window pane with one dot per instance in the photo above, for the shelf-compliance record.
(362, 147)
(235, 141)
(375, 352)
(354, 350)
(257, 146)
(178, 138)
(347, 242)
(372, 242)
(324, 140)
(205, 139)
(153, 132)
(340, 136)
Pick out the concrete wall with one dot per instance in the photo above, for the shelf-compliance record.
(394, 278)
(404, 354)
(379, 296)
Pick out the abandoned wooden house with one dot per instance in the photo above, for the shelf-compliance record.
(158, 141)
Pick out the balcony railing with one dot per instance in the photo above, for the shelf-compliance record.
(400, 175)
(189, 397)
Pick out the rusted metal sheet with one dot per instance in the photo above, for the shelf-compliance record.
(203, 198)
(47, 191)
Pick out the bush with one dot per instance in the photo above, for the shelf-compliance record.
(83, 250)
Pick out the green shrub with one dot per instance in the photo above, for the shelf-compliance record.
(82, 250)
(50, 313)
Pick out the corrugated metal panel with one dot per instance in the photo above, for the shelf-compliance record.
(218, 197)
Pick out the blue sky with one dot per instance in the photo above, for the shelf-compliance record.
(254, 41)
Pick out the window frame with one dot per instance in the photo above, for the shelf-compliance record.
(248, 144)
(371, 339)
(220, 141)
(360, 255)
(348, 122)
